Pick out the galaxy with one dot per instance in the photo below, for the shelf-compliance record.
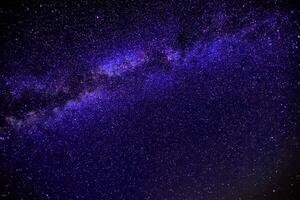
(149, 100)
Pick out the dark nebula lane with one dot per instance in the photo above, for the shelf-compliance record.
(149, 100)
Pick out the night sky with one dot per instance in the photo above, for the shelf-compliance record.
(149, 100)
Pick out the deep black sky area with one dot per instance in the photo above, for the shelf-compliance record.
(150, 100)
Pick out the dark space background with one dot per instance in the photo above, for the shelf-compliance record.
(149, 100)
